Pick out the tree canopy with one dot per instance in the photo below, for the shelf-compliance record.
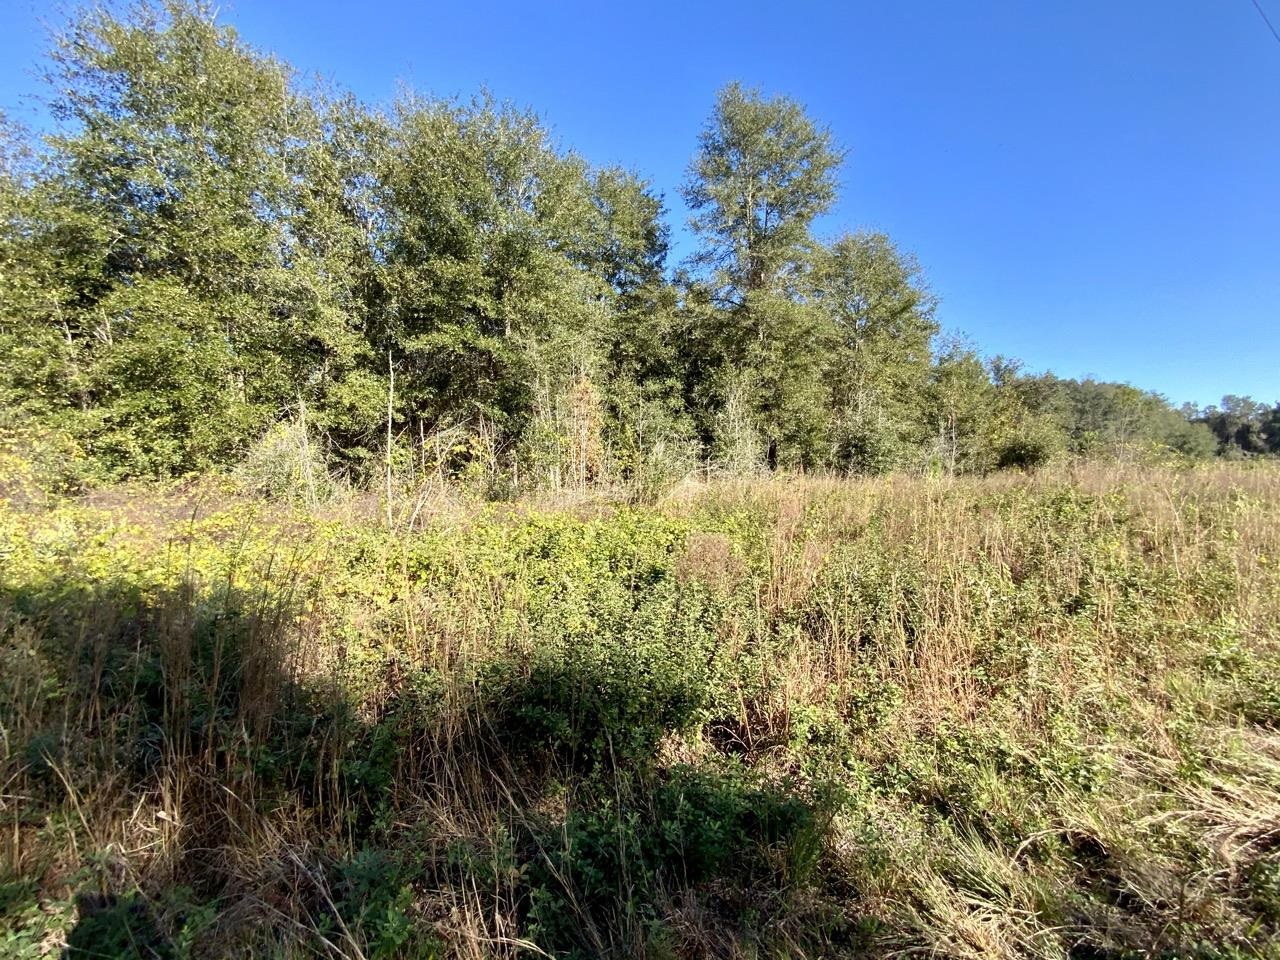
(207, 248)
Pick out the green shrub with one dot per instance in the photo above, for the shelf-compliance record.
(375, 899)
(623, 845)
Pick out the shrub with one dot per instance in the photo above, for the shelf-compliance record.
(625, 844)
(286, 464)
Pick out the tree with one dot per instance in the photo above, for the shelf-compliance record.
(961, 410)
(171, 186)
(336, 253)
(1242, 426)
(518, 281)
(882, 318)
(46, 253)
(648, 431)
(206, 248)
(763, 173)
(1112, 419)
(1270, 429)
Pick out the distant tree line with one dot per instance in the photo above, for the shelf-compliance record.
(1242, 426)
(208, 249)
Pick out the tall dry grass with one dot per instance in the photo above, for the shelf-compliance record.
(1022, 716)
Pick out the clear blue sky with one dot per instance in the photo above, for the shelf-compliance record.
(1092, 186)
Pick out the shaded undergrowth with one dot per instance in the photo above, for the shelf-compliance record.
(1013, 717)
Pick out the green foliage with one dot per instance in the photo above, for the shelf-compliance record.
(1032, 443)
(119, 928)
(204, 248)
(26, 923)
(614, 710)
(763, 172)
(375, 897)
(807, 718)
(287, 463)
(881, 351)
(607, 865)
(181, 312)
(1241, 426)
(961, 400)
(1107, 418)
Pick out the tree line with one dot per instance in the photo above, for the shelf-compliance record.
(209, 251)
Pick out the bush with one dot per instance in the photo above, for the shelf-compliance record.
(608, 865)
(595, 708)
(1035, 444)
(286, 464)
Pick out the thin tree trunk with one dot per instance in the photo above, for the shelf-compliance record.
(391, 389)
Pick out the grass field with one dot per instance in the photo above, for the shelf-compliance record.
(1021, 716)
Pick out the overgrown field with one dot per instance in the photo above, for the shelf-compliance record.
(1016, 716)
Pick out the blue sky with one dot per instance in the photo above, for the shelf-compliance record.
(1092, 186)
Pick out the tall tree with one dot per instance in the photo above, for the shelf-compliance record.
(173, 168)
(48, 258)
(883, 326)
(764, 171)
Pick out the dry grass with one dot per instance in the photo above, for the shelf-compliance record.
(1019, 716)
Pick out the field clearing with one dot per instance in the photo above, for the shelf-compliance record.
(1026, 715)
